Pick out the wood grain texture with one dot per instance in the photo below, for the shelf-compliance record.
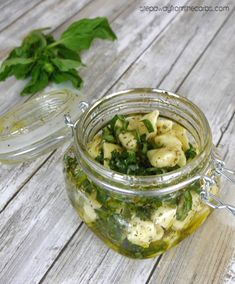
(14, 177)
(88, 260)
(36, 226)
(227, 147)
(43, 241)
(12, 10)
(49, 13)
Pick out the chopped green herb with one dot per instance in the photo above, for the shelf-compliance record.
(148, 125)
(101, 196)
(184, 205)
(114, 120)
(107, 135)
(128, 162)
(196, 187)
(87, 186)
(100, 157)
(191, 152)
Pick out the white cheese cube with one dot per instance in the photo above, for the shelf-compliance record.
(164, 126)
(94, 146)
(181, 134)
(164, 157)
(89, 205)
(108, 148)
(142, 233)
(164, 216)
(167, 140)
(128, 140)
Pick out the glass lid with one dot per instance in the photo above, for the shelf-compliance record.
(37, 126)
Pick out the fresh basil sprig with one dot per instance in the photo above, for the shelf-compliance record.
(45, 59)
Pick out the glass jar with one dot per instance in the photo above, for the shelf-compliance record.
(142, 216)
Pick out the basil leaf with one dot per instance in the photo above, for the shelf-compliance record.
(184, 206)
(100, 158)
(15, 61)
(66, 53)
(72, 76)
(4, 73)
(108, 136)
(196, 186)
(148, 125)
(65, 64)
(15, 66)
(191, 152)
(80, 34)
(122, 119)
(35, 38)
(113, 122)
(34, 43)
(38, 82)
(21, 71)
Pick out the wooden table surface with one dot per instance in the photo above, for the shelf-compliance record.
(42, 240)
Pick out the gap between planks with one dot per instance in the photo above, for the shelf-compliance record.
(209, 43)
(22, 15)
(26, 181)
(224, 130)
(61, 252)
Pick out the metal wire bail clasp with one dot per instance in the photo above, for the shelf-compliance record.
(67, 118)
(225, 172)
(68, 121)
(210, 199)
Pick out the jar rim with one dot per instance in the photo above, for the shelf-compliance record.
(128, 184)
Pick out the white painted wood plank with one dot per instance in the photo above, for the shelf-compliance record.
(135, 31)
(12, 10)
(13, 177)
(227, 149)
(88, 260)
(49, 13)
(36, 226)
